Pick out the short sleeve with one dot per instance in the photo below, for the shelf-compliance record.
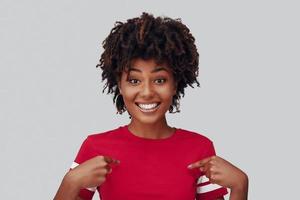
(85, 153)
(205, 189)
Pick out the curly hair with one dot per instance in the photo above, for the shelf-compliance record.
(162, 39)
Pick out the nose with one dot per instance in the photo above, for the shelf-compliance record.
(147, 90)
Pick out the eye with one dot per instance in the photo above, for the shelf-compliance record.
(133, 81)
(160, 81)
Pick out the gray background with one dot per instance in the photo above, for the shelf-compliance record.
(51, 99)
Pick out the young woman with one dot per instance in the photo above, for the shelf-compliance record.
(147, 63)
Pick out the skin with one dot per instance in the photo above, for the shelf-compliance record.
(149, 82)
(90, 173)
(222, 172)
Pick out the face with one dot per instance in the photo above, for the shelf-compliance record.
(147, 90)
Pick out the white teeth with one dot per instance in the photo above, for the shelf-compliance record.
(147, 106)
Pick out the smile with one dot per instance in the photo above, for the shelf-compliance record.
(148, 107)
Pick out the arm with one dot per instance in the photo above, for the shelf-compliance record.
(221, 172)
(67, 190)
(240, 191)
(88, 174)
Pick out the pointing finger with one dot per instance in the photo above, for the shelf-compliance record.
(200, 163)
(111, 160)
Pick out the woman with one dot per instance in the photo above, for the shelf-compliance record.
(147, 63)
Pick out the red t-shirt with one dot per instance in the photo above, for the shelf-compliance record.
(150, 168)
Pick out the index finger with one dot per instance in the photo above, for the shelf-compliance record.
(111, 160)
(199, 163)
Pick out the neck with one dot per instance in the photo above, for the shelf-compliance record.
(159, 130)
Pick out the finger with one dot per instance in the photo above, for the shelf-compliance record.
(212, 161)
(200, 163)
(210, 169)
(108, 168)
(208, 166)
(207, 174)
(204, 167)
(115, 162)
(212, 179)
(215, 178)
(110, 160)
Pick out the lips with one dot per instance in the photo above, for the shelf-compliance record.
(148, 107)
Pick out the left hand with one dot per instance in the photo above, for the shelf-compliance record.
(222, 172)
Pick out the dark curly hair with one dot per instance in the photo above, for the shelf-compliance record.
(162, 39)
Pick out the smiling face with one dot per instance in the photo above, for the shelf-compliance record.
(147, 90)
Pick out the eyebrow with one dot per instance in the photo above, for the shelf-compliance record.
(157, 69)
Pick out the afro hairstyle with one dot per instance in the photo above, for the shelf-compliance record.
(162, 39)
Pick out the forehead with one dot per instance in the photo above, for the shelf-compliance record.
(151, 66)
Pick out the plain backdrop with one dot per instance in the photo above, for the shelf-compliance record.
(51, 91)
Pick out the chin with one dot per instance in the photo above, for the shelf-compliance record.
(148, 119)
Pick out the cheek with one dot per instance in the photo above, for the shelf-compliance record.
(128, 95)
(167, 93)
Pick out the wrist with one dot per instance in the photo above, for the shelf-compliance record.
(71, 180)
(69, 189)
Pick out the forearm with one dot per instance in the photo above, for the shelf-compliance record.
(240, 192)
(67, 189)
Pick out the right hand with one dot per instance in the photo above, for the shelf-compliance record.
(92, 172)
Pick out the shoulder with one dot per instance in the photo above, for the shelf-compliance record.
(98, 141)
(109, 134)
(196, 137)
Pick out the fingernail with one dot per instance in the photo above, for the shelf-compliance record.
(190, 166)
